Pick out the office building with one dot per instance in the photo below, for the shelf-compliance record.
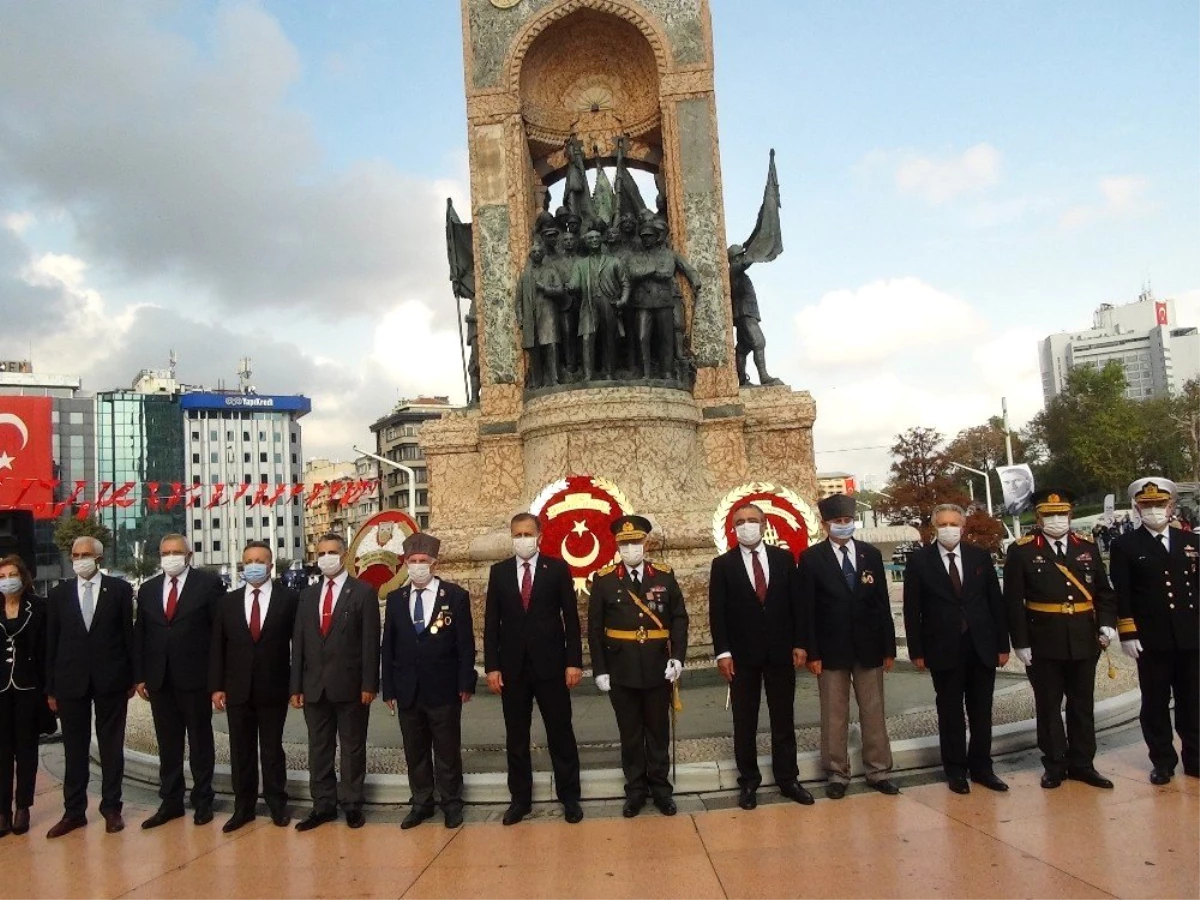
(325, 515)
(397, 438)
(830, 483)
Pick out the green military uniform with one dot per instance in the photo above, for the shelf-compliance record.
(1056, 606)
(631, 642)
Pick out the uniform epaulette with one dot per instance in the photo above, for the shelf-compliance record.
(1086, 537)
(1024, 539)
(660, 566)
(609, 568)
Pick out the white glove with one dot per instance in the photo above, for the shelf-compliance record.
(1025, 655)
(673, 671)
(1108, 634)
(1132, 649)
(604, 683)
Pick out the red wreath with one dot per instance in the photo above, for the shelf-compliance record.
(778, 530)
(576, 522)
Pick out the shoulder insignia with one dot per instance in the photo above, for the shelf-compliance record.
(1088, 538)
(611, 567)
(658, 566)
(1025, 539)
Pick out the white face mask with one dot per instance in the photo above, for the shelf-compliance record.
(11, 585)
(949, 535)
(632, 554)
(843, 532)
(420, 573)
(525, 546)
(1056, 526)
(173, 564)
(1154, 516)
(748, 533)
(84, 568)
(329, 564)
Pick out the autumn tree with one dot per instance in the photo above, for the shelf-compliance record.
(982, 446)
(921, 479)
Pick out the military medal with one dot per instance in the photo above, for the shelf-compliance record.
(868, 578)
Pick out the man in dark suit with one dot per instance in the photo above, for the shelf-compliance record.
(171, 638)
(248, 678)
(335, 677)
(1156, 574)
(1061, 614)
(637, 631)
(533, 650)
(428, 674)
(957, 630)
(757, 630)
(851, 641)
(89, 666)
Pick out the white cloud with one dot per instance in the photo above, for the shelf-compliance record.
(1007, 366)
(881, 320)
(1123, 196)
(1187, 308)
(18, 222)
(937, 180)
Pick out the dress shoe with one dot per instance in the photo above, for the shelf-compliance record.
(66, 825)
(162, 817)
(835, 790)
(885, 787)
(454, 818)
(1089, 776)
(515, 813)
(1158, 775)
(236, 821)
(203, 815)
(5, 824)
(417, 815)
(958, 785)
(632, 808)
(20, 820)
(113, 822)
(573, 812)
(991, 781)
(796, 793)
(280, 819)
(748, 798)
(666, 806)
(1051, 781)
(355, 818)
(314, 820)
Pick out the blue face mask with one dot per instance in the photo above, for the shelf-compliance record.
(256, 573)
(841, 532)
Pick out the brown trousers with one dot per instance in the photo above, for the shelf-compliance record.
(834, 687)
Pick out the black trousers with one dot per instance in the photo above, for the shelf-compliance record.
(433, 751)
(256, 732)
(1075, 679)
(745, 697)
(644, 723)
(75, 717)
(554, 703)
(178, 714)
(330, 725)
(19, 712)
(1162, 673)
(972, 683)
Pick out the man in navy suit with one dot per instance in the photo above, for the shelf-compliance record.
(757, 630)
(957, 629)
(533, 650)
(851, 641)
(428, 674)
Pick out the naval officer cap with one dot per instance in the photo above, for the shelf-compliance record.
(420, 542)
(630, 529)
(836, 506)
(1152, 489)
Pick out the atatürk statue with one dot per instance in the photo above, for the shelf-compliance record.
(539, 294)
(602, 285)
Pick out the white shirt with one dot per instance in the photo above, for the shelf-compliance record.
(264, 600)
(428, 598)
(94, 581)
(1165, 535)
(748, 561)
(532, 569)
(957, 551)
(339, 582)
(180, 579)
(837, 552)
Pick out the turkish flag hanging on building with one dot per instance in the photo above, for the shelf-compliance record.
(25, 454)
(1160, 312)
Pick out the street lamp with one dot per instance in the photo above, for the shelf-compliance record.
(412, 479)
(987, 484)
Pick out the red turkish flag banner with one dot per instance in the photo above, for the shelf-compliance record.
(1160, 313)
(26, 464)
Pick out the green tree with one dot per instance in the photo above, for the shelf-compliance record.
(70, 527)
(921, 479)
(1185, 416)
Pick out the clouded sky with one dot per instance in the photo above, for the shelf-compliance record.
(269, 179)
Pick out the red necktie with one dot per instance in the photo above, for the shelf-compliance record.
(255, 617)
(327, 611)
(172, 599)
(526, 587)
(760, 577)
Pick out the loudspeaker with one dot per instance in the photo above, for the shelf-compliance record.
(16, 536)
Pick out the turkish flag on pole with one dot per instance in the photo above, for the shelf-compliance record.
(25, 453)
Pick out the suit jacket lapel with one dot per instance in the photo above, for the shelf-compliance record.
(739, 563)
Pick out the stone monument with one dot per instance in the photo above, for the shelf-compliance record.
(555, 87)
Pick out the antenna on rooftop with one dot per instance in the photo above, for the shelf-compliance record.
(172, 361)
(244, 373)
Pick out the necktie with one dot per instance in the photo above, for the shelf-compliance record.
(87, 606)
(419, 613)
(526, 586)
(847, 568)
(1058, 550)
(172, 599)
(760, 577)
(637, 579)
(955, 578)
(327, 610)
(1162, 539)
(255, 617)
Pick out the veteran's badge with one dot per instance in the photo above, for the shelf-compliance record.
(576, 513)
(377, 551)
(791, 523)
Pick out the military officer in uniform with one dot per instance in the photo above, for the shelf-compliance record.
(1061, 613)
(1156, 574)
(637, 631)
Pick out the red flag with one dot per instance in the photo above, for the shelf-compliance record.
(25, 453)
(1160, 312)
